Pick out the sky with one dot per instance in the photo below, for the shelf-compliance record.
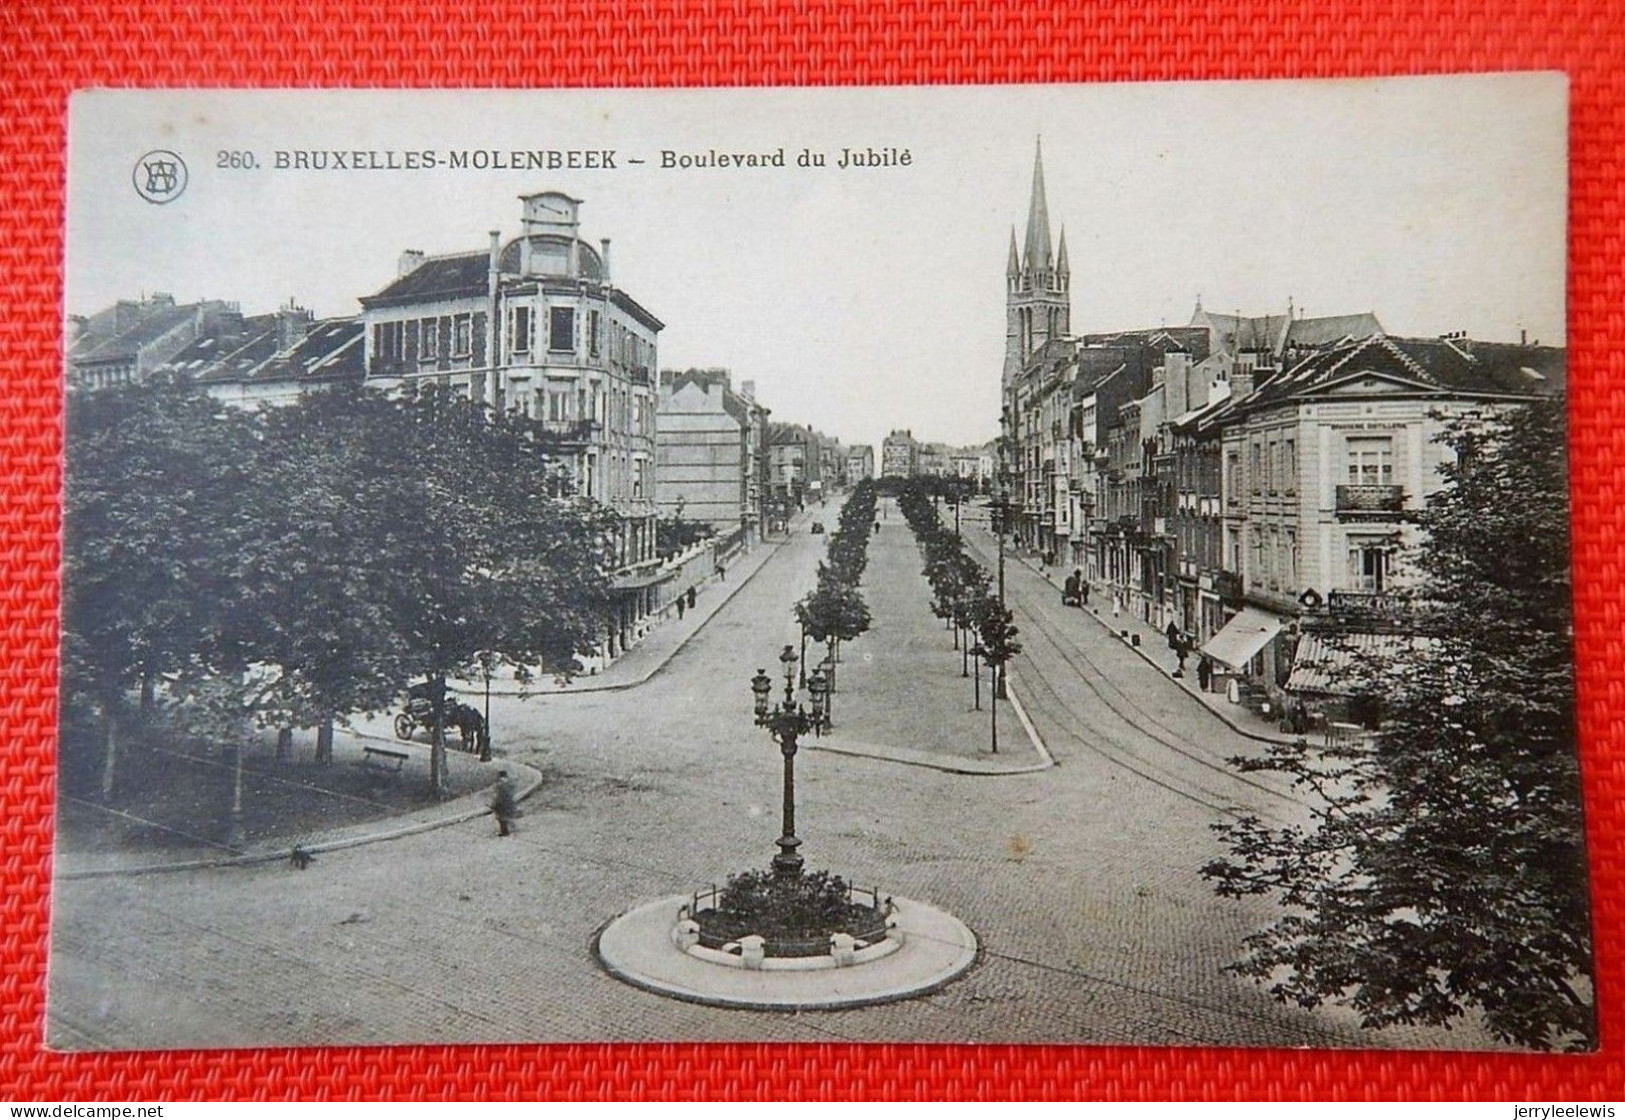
(867, 298)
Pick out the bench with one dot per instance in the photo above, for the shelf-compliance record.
(379, 758)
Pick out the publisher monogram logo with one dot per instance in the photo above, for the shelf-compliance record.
(160, 176)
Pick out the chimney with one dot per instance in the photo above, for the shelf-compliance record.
(604, 256)
(409, 263)
(1523, 338)
(1241, 383)
(292, 322)
(747, 389)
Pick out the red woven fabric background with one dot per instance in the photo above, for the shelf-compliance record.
(48, 49)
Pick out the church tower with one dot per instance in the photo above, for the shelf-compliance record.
(1038, 281)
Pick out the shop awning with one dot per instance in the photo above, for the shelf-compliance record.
(1242, 638)
(1335, 664)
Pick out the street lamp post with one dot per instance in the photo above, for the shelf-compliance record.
(976, 655)
(786, 722)
(485, 718)
(818, 686)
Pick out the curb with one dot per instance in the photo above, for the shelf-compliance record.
(628, 949)
(1021, 714)
(963, 768)
(533, 782)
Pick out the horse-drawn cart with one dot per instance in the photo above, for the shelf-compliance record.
(419, 715)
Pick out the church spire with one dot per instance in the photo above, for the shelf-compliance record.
(1062, 269)
(1038, 243)
(1013, 269)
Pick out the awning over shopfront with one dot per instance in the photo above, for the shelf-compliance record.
(1242, 638)
(1334, 664)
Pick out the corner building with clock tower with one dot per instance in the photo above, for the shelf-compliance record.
(536, 324)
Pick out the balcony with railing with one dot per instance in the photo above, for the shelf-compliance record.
(1370, 502)
(572, 431)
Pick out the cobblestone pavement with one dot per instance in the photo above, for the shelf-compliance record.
(1081, 881)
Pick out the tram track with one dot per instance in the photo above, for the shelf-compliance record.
(1137, 719)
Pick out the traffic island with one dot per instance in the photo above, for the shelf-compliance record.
(662, 947)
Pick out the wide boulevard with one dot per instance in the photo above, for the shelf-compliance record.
(1081, 880)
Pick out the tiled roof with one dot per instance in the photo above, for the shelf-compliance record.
(448, 277)
(1194, 418)
(327, 350)
(330, 351)
(1332, 328)
(127, 342)
(1438, 366)
(1254, 333)
(225, 354)
(1160, 339)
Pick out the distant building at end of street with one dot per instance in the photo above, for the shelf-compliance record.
(710, 445)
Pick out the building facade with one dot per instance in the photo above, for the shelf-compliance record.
(709, 446)
(536, 325)
(860, 463)
(1325, 466)
(899, 455)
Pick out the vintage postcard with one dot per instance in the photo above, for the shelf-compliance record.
(1053, 564)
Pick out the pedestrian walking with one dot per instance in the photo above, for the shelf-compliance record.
(682, 605)
(691, 598)
(1083, 587)
(1070, 595)
(504, 806)
(1204, 673)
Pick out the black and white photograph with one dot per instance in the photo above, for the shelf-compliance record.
(1079, 564)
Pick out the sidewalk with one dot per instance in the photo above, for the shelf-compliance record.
(667, 637)
(470, 781)
(1153, 648)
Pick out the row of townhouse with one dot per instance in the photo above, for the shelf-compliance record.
(1249, 481)
(903, 456)
(1251, 498)
(534, 324)
(807, 465)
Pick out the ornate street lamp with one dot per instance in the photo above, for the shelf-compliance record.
(818, 686)
(786, 722)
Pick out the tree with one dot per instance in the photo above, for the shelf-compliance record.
(1444, 869)
(311, 609)
(996, 626)
(488, 558)
(676, 534)
(153, 484)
